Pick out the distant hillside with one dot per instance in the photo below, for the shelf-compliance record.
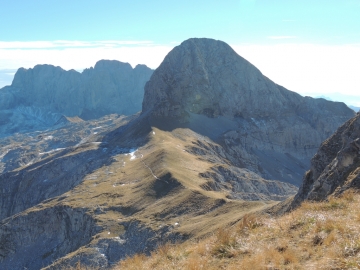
(356, 109)
(38, 97)
(347, 99)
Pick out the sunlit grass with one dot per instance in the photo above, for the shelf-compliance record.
(317, 235)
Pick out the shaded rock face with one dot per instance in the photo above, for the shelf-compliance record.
(38, 97)
(53, 233)
(336, 166)
(275, 132)
(106, 252)
(241, 183)
(246, 185)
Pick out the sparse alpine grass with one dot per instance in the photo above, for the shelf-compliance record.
(317, 235)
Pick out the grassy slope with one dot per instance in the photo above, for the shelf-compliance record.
(159, 186)
(323, 235)
(175, 197)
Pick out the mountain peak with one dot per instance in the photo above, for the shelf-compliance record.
(204, 85)
(112, 64)
(208, 77)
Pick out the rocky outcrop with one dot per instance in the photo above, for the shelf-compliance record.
(53, 233)
(243, 184)
(274, 131)
(336, 166)
(103, 253)
(57, 231)
(240, 183)
(38, 97)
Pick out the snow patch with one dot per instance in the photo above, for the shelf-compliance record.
(132, 154)
(4, 153)
(51, 151)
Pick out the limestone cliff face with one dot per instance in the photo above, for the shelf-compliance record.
(41, 95)
(336, 165)
(275, 131)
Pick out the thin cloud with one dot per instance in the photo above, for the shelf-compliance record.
(79, 55)
(304, 68)
(282, 37)
(308, 68)
(63, 44)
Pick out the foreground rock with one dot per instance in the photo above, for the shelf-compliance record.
(336, 166)
(39, 97)
(263, 126)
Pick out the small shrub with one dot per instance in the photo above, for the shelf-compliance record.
(224, 242)
(133, 263)
(248, 222)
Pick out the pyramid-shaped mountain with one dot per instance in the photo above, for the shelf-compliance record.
(205, 85)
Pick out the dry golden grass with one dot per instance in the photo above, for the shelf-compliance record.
(323, 235)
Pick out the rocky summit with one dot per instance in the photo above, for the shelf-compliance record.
(205, 85)
(38, 97)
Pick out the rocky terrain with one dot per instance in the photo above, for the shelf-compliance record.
(212, 141)
(97, 198)
(336, 165)
(36, 100)
(263, 126)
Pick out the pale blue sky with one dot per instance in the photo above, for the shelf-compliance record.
(163, 21)
(307, 46)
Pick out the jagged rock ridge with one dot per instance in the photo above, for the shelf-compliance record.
(336, 166)
(274, 131)
(38, 97)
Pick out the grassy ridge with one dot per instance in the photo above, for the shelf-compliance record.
(322, 235)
